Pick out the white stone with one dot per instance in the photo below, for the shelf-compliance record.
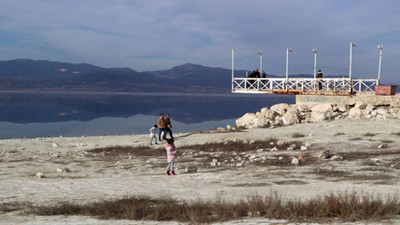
(360, 105)
(291, 117)
(274, 149)
(303, 148)
(252, 157)
(260, 150)
(239, 164)
(55, 145)
(280, 158)
(337, 157)
(246, 120)
(295, 161)
(322, 108)
(355, 112)
(40, 175)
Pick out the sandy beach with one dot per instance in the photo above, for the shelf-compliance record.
(366, 160)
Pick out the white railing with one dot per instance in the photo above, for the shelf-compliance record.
(303, 85)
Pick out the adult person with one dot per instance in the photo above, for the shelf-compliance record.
(168, 125)
(161, 127)
(254, 74)
(263, 75)
(319, 77)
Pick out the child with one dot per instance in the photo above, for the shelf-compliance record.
(153, 134)
(171, 155)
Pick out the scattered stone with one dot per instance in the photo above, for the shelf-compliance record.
(274, 149)
(280, 143)
(245, 142)
(303, 148)
(337, 157)
(252, 157)
(290, 148)
(239, 164)
(260, 150)
(280, 158)
(295, 161)
(301, 158)
(55, 145)
(323, 154)
(40, 175)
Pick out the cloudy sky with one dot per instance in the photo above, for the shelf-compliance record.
(159, 34)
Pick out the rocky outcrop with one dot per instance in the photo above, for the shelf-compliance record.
(285, 114)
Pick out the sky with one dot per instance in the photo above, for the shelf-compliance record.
(149, 35)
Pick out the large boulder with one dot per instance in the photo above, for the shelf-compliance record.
(321, 112)
(246, 120)
(291, 117)
(322, 108)
(280, 108)
(355, 113)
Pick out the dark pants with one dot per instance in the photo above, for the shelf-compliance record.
(164, 135)
(169, 131)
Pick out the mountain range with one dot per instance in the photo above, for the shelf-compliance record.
(43, 75)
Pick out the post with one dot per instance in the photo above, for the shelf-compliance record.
(233, 67)
(261, 54)
(380, 64)
(352, 44)
(287, 66)
(315, 62)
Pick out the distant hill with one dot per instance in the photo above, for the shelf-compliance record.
(26, 74)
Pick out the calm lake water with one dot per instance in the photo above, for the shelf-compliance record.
(65, 114)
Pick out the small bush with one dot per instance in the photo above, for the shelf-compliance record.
(297, 135)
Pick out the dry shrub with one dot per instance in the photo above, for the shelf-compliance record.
(297, 135)
(340, 207)
(369, 135)
(118, 151)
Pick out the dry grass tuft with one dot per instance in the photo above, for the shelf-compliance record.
(297, 135)
(340, 207)
(369, 135)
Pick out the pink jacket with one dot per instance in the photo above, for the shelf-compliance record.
(171, 152)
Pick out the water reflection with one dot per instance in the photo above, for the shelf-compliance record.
(31, 115)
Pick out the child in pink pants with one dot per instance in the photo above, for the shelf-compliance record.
(171, 156)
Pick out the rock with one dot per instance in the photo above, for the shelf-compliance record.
(229, 127)
(191, 169)
(246, 120)
(290, 148)
(260, 150)
(376, 160)
(59, 170)
(280, 108)
(214, 162)
(280, 143)
(55, 145)
(274, 149)
(303, 148)
(252, 157)
(280, 158)
(301, 158)
(40, 175)
(342, 107)
(360, 105)
(323, 154)
(239, 164)
(322, 108)
(382, 111)
(291, 117)
(337, 157)
(252, 142)
(355, 113)
(245, 142)
(317, 117)
(295, 161)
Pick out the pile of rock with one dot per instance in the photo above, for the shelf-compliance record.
(285, 114)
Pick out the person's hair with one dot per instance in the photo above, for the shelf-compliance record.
(155, 125)
(162, 114)
(170, 141)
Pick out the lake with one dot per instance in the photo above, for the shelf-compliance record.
(31, 114)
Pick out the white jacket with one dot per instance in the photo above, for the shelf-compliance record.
(153, 131)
